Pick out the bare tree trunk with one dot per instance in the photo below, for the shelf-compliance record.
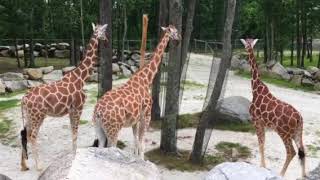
(32, 64)
(168, 128)
(291, 49)
(199, 147)
(304, 33)
(163, 20)
(298, 32)
(16, 50)
(81, 24)
(25, 52)
(72, 52)
(105, 48)
(124, 30)
(143, 39)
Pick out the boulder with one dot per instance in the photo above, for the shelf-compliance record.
(240, 170)
(4, 53)
(296, 79)
(34, 74)
(52, 76)
(51, 52)
(2, 87)
(307, 74)
(263, 69)
(93, 77)
(316, 86)
(62, 53)
(20, 53)
(307, 82)
(43, 53)
(11, 76)
(134, 68)
(295, 71)
(135, 57)
(46, 70)
(271, 63)
(115, 77)
(17, 85)
(235, 62)
(317, 76)
(233, 109)
(36, 53)
(312, 69)
(38, 46)
(278, 70)
(131, 62)
(4, 48)
(125, 71)
(100, 163)
(32, 83)
(67, 69)
(115, 68)
(63, 46)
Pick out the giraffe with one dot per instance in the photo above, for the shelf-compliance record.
(130, 104)
(267, 111)
(57, 99)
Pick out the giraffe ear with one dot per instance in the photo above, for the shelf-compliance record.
(254, 42)
(104, 27)
(163, 28)
(93, 26)
(243, 42)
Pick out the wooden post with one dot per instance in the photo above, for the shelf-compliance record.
(144, 39)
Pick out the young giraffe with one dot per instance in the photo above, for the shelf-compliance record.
(130, 105)
(57, 99)
(268, 111)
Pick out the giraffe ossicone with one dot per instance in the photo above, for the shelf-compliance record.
(57, 99)
(267, 111)
(130, 104)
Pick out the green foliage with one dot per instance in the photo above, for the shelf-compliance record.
(82, 122)
(233, 151)
(4, 127)
(8, 104)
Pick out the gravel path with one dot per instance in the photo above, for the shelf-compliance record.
(55, 134)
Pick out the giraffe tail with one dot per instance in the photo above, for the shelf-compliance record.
(23, 133)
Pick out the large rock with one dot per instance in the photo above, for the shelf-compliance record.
(296, 79)
(93, 77)
(317, 76)
(46, 70)
(32, 83)
(104, 163)
(20, 53)
(278, 70)
(62, 53)
(295, 71)
(34, 74)
(234, 109)
(2, 87)
(67, 69)
(11, 76)
(4, 53)
(312, 69)
(307, 82)
(53, 76)
(115, 68)
(240, 170)
(125, 71)
(317, 86)
(12, 86)
(63, 46)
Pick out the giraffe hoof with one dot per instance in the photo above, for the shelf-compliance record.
(24, 168)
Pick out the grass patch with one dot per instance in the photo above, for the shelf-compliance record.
(8, 64)
(11, 94)
(83, 121)
(313, 150)
(192, 120)
(192, 84)
(226, 151)
(5, 125)
(276, 81)
(8, 104)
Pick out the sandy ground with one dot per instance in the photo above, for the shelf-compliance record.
(55, 134)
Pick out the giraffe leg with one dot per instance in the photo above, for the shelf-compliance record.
(290, 154)
(74, 115)
(102, 139)
(135, 138)
(142, 129)
(261, 139)
(298, 141)
(34, 147)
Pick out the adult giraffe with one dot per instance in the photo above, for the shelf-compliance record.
(130, 105)
(57, 99)
(268, 111)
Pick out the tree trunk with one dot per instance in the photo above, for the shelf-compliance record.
(77, 53)
(281, 55)
(199, 147)
(298, 32)
(16, 50)
(304, 33)
(163, 21)
(105, 48)
(187, 35)
(291, 49)
(72, 52)
(124, 31)
(143, 38)
(168, 129)
(32, 64)
(25, 52)
(311, 48)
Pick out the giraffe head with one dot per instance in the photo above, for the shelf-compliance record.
(173, 32)
(100, 31)
(249, 43)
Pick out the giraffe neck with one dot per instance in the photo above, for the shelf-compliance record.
(85, 68)
(149, 71)
(254, 67)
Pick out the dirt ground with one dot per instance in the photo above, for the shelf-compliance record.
(55, 133)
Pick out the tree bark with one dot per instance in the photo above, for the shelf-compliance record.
(124, 30)
(298, 32)
(304, 33)
(72, 52)
(25, 52)
(163, 21)
(168, 129)
(16, 50)
(208, 115)
(105, 48)
(31, 64)
(143, 38)
(291, 49)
